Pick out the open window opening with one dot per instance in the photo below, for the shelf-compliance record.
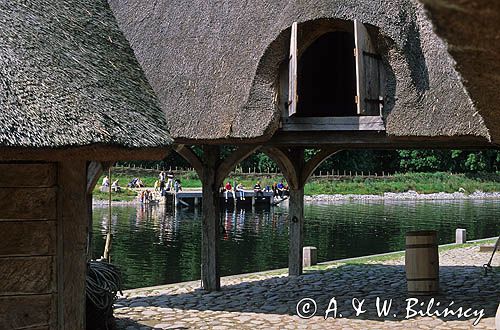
(333, 71)
(326, 77)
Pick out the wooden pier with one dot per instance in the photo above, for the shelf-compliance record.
(193, 198)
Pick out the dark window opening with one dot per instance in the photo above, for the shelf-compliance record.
(327, 77)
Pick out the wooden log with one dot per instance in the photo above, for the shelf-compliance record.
(422, 262)
(27, 275)
(27, 312)
(28, 238)
(210, 231)
(296, 218)
(27, 203)
(27, 175)
(72, 239)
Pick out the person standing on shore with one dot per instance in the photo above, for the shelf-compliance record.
(105, 181)
(116, 186)
(161, 182)
(170, 180)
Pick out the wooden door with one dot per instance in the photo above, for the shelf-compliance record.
(292, 73)
(370, 77)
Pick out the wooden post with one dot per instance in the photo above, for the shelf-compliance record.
(310, 256)
(296, 218)
(107, 246)
(210, 231)
(72, 239)
(296, 215)
(460, 236)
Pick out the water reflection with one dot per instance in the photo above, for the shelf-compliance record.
(157, 244)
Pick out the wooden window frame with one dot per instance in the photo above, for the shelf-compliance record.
(365, 120)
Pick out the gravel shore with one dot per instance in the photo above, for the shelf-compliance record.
(409, 195)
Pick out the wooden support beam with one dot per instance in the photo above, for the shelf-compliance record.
(312, 164)
(283, 158)
(296, 214)
(374, 140)
(210, 276)
(95, 152)
(94, 171)
(291, 162)
(230, 162)
(72, 226)
(189, 155)
(296, 172)
(296, 218)
(212, 171)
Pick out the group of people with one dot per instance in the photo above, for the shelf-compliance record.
(136, 183)
(146, 196)
(237, 189)
(166, 182)
(115, 186)
(279, 190)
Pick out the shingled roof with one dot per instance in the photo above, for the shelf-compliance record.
(68, 77)
(472, 32)
(215, 68)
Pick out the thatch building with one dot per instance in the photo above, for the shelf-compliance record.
(72, 96)
(287, 75)
(280, 75)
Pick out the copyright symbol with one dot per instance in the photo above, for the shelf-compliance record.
(306, 308)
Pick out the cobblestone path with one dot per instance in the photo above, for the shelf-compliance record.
(269, 301)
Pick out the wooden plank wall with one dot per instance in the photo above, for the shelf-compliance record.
(28, 245)
(43, 239)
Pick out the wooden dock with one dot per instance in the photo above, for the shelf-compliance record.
(193, 198)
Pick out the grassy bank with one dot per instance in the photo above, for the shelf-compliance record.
(361, 185)
(396, 255)
(424, 183)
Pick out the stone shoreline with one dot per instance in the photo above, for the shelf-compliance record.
(409, 195)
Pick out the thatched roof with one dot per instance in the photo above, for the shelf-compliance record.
(214, 67)
(68, 77)
(472, 32)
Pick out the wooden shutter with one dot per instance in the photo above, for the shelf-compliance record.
(369, 74)
(292, 72)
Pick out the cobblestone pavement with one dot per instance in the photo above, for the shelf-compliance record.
(267, 301)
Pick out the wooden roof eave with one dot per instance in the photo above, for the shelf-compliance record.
(100, 153)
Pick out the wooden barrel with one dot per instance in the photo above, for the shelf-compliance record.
(422, 262)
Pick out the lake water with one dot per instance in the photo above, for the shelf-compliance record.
(155, 245)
